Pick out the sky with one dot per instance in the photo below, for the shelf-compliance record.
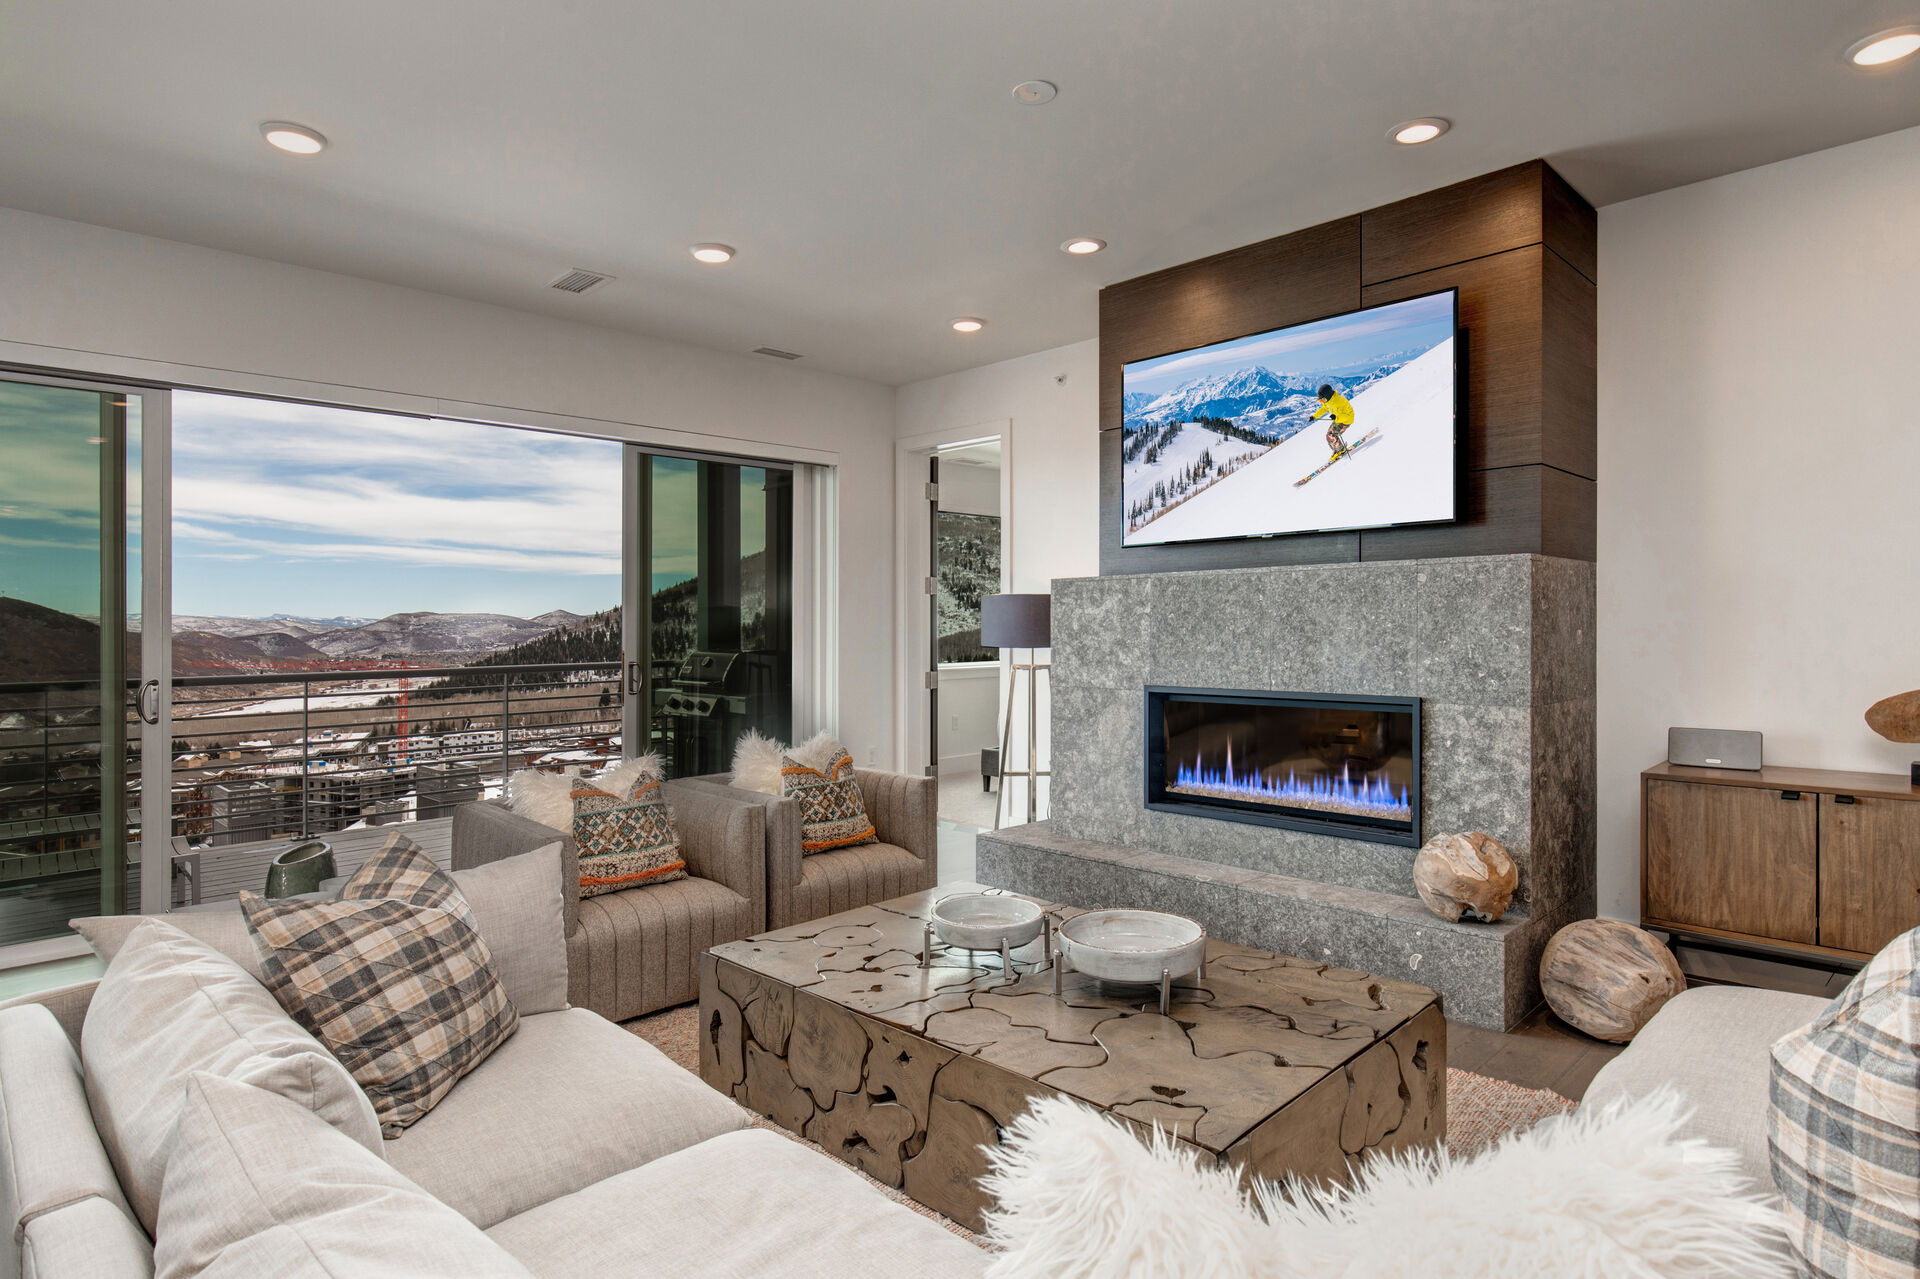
(1306, 348)
(325, 512)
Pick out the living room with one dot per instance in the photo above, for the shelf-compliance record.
(1030, 626)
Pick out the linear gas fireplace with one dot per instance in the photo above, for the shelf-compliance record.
(1336, 765)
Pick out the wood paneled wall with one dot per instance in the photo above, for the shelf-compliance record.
(1519, 244)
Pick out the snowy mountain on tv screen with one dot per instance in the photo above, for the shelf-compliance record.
(1189, 473)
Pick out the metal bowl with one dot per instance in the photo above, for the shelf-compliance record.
(1133, 945)
(981, 921)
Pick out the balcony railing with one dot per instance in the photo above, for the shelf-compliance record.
(286, 754)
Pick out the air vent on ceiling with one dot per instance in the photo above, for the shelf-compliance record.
(579, 281)
(776, 353)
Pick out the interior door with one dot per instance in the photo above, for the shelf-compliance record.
(72, 648)
(932, 587)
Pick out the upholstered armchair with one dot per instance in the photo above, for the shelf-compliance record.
(638, 950)
(802, 887)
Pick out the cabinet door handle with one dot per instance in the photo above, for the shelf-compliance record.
(1843, 799)
(1790, 795)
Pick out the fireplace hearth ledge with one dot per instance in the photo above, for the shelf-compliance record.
(1484, 972)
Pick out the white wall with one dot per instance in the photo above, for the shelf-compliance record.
(1759, 484)
(1051, 401)
(86, 298)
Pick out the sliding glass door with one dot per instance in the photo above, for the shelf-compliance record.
(71, 640)
(710, 646)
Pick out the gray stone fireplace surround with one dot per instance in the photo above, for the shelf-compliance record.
(1499, 649)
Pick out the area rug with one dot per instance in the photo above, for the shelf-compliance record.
(1480, 1109)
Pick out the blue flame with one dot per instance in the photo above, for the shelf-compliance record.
(1367, 797)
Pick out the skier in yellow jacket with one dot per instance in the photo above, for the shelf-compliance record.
(1338, 411)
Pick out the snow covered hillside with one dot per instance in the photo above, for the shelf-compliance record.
(1184, 459)
(1403, 477)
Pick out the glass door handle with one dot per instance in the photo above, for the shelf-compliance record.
(151, 687)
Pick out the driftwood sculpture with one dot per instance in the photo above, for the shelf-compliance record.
(1467, 874)
(1608, 978)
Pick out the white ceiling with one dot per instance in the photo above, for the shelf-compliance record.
(866, 156)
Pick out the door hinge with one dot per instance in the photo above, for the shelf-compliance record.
(933, 679)
(930, 585)
(933, 492)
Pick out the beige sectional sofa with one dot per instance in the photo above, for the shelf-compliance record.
(637, 951)
(802, 887)
(576, 1148)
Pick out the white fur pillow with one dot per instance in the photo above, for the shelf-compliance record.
(756, 759)
(756, 763)
(619, 778)
(546, 798)
(1611, 1191)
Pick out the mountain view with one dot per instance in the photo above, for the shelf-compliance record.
(1254, 397)
(204, 644)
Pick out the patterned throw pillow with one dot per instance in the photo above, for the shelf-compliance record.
(627, 840)
(393, 977)
(1841, 1131)
(832, 814)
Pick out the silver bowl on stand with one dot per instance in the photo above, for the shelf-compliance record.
(1137, 947)
(986, 921)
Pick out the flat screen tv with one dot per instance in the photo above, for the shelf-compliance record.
(1236, 440)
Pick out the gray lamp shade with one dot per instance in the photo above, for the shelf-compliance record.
(1016, 621)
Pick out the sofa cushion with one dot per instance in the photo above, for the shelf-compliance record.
(832, 813)
(516, 901)
(394, 978)
(626, 838)
(259, 1187)
(91, 1239)
(1844, 1126)
(849, 877)
(168, 1006)
(750, 1203)
(570, 1099)
(1711, 1043)
(50, 1155)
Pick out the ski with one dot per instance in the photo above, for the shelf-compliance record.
(1352, 448)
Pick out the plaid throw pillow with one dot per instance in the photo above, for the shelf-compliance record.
(625, 840)
(393, 977)
(1841, 1132)
(832, 814)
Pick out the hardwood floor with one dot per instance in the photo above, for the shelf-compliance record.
(1541, 1052)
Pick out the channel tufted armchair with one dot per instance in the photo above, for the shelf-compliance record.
(802, 887)
(636, 951)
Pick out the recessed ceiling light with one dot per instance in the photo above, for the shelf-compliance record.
(969, 324)
(713, 252)
(1414, 132)
(1883, 47)
(295, 138)
(1032, 93)
(1084, 244)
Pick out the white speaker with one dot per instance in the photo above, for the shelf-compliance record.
(1713, 748)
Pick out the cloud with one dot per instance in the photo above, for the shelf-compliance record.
(306, 483)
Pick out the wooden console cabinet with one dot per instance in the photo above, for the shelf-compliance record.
(1792, 860)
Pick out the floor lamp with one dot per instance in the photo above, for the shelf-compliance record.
(1016, 622)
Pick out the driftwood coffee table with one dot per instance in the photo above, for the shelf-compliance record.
(832, 1029)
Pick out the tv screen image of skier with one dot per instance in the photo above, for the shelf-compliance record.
(1343, 423)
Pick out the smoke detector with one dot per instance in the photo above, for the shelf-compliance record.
(579, 280)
